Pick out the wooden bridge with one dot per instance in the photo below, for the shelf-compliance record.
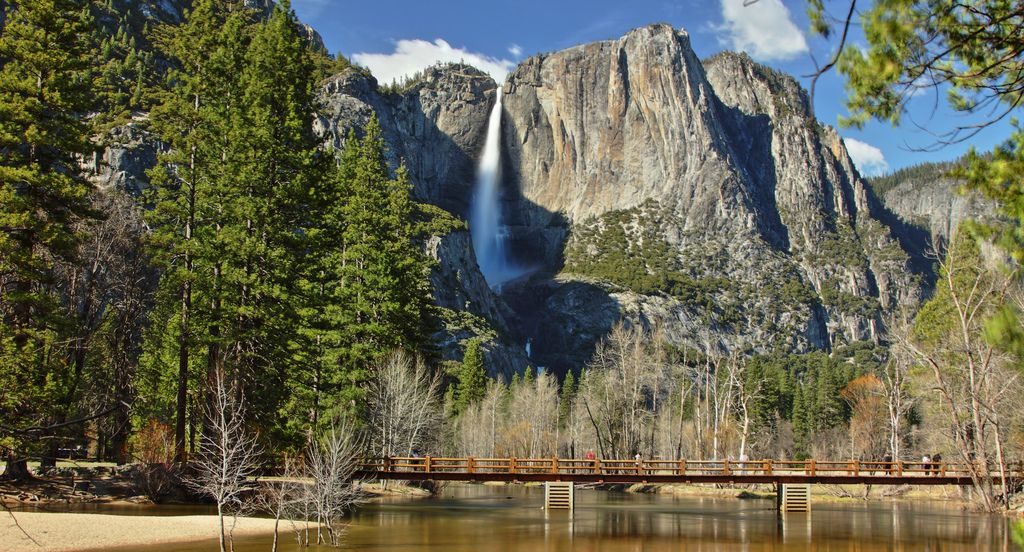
(792, 478)
(675, 471)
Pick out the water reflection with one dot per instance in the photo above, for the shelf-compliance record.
(476, 517)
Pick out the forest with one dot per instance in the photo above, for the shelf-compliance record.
(267, 285)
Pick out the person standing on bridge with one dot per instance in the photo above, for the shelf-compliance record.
(937, 464)
(639, 463)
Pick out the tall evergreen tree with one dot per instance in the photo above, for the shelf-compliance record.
(369, 279)
(472, 377)
(567, 396)
(273, 171)
(45, 94)
(191, 118)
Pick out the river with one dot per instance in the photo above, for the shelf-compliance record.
(510, 518)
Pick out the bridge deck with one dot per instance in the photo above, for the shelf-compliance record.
(676, 471)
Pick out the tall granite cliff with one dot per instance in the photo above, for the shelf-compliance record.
(639, 182)
(928, 201)
(648, 163)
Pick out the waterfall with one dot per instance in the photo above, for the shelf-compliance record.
(490, 237)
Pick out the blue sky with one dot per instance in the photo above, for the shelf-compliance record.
(400, 36)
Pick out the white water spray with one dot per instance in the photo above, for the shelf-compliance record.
(490, 237)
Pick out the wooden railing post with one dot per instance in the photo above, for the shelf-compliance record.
(512, 468)
(812, 468)
(725, 467)
(856, 467)
(899, 468)
(387, 464)
(426, 464)
(597, 467)
(470, 465)
(554, 465)
(768, 467)
(682, 467)
(942, 469)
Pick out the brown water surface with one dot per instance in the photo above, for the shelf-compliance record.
(477, 517)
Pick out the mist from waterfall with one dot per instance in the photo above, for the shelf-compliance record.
(490, 236)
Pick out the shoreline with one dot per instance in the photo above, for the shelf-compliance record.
(76, 532)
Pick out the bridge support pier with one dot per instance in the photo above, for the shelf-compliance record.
(794, 497)
(559, 495)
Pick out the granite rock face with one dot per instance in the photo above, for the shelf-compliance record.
(736, 219)
(435, 126)
(130, 151)
(934, 204)
(756, 203)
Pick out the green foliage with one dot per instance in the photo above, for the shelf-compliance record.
(280, 267)
(45, 95)
(974, 50)
(804, 389)
(567, 396)
(847, 303)
(626, 249)
(921, 175)
(841, 247)
(126, 68)
(472, 377)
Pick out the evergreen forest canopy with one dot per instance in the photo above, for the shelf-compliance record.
(296, 272)
(257, 255)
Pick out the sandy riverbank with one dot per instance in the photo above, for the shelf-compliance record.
(67, 532)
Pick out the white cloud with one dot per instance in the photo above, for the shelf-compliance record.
(763, 29)
(515, 50)
(870, 160)
(415, 55)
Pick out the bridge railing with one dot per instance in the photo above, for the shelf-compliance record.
(678, 468)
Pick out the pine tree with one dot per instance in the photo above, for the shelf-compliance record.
(472, 377)
(567, 396)
(45, 94)
(799, 417)
(530, 375)
(191, 119)
(273, 167)
(367, 286)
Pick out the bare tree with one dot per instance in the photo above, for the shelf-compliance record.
(330, 463)
(895, 382)
(531, 426)
(967, 372)
(480, 429)
(228, 456)
(622, 390)
(403, 404)
(745, 393)
(285, 497)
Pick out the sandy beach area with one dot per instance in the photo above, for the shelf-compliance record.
(67, 532)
